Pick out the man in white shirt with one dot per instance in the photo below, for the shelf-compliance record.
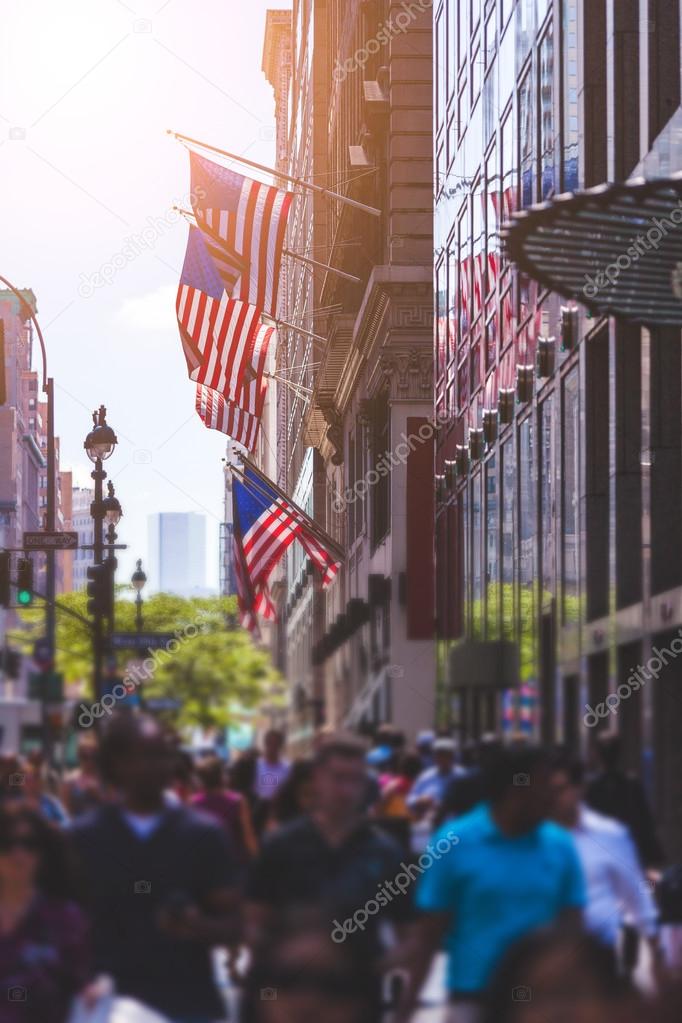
(429, 789)
(271, 769)
(616, 885)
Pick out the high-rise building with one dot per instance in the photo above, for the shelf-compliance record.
(559, 453)
(82, 523)
(177, 554)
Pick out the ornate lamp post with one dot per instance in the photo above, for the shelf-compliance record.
(137, 581)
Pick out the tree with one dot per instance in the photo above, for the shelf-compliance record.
(210, 666)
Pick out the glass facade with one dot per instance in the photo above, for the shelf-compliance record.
(506, 137)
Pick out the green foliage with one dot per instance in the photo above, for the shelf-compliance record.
(217, 668)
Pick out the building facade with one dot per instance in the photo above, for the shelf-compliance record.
(177, 554)
(361, 122)
(558, 459)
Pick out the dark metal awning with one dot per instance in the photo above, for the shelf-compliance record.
(616, 248)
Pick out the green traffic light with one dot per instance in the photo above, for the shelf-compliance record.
(24, 597)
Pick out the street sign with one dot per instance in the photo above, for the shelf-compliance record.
(141, 640)
(44, 541)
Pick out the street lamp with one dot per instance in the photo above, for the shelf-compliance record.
(99, 445)
(137, 581)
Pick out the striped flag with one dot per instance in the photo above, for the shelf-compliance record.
(218, 413)
(266, 523)
(224, 340)
(243, 223)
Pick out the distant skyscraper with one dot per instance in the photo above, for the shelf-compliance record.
(83, 525)
(177, 553)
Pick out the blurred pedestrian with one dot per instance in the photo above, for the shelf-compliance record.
(82, 789)
(425, 741)
(36, 795)
(295, 797)
(502, 871)
(331, 869)
(44, 957)
(428, 791)
(230, 809)
(615, 882)
(159, 880)
(551, 977)
(303, 977)
(271, 769)
(620, 794)
(467, 790)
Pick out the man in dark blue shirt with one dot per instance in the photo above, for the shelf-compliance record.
(158, 881)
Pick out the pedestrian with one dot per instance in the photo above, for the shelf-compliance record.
(303, 977)
(82, 789)
(159, 880)
(620, 794)
(507, 872)
(35, 793)
(295, 797)
(615, 882)
(44, 960)
(551, 977)
(466, 791)
(428, 791)
(425, 741)
(329, 870)
(230, 809)
(271, 771)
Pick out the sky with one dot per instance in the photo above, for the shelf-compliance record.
(88, 180)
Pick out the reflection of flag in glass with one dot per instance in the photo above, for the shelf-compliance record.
(219, 334)
(243, 223)
(266, 523)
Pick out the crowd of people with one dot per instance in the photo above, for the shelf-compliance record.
(276, 891)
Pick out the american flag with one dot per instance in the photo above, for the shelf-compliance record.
(243, 223)
(218, 413)
(224, 339)
(266, 523)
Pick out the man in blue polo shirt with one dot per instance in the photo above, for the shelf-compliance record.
(510, 872)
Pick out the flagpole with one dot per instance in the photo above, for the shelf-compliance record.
(322, 266)
(190, 218)
(277, 173)
(320, 533)
(300, 330)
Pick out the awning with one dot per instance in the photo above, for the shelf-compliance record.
(616, 248)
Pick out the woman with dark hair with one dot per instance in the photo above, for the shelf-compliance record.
(295, 795)
(229, 808)
(43, 934)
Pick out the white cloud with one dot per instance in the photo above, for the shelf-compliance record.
(153, 311)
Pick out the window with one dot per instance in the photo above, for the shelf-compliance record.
(527, 140)
(527, 547)
(571, 148)
(476, 557)
(547, 502)
(547, 139)
(508, 481)
(441, 319)
(492, 533)
(381, 491)
(569, 510)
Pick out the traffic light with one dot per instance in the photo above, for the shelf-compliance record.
(100, 591)
(5, 570)
(25, 582)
